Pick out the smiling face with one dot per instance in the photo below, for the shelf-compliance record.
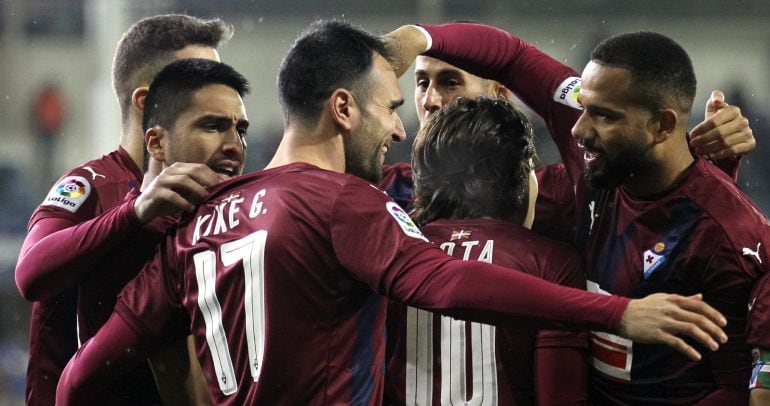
(437, 83)
(614, 130)
(210, 130)
(379, 124)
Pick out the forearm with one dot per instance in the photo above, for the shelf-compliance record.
(55, 258)
(541, 82)
(759, 397)
(492, 294)
(521, 67)
(114, 350)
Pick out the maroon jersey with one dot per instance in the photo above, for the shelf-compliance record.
(437, 360)
(281, 274)
(690, 240)
(84, 267)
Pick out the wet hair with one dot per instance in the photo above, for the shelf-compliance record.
(327, 56)
(150, 44)
(172, 90)
(661, 70)
(472, 159)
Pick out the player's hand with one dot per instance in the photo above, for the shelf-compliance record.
(724, 133)
(662, 318)
(404, 44)
(180, 187)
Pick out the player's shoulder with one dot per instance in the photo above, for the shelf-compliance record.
(723, 201)
(82, 183)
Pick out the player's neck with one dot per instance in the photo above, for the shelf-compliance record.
(132, 140)
(664, 174)
(314, 146)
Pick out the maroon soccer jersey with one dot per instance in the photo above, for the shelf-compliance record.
(438, 360)
(690, 240)
(90, 262)
(281, 274)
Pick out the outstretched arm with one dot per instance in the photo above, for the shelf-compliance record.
(115, 349)
(414, 272)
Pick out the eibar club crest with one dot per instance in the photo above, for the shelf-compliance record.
(653, 258)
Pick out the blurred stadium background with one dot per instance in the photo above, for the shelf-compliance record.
(57, 108)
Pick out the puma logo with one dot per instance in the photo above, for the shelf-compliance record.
(93, 173)
(592, 207)
(754, 253)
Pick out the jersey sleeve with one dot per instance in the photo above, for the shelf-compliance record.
(57, 252)
(378, 243)
(544, 84)
(115, 349)
(150, 303)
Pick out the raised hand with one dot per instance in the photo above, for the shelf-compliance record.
(177, 188)
(724, 133)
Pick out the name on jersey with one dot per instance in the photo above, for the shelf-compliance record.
(472, 250)
(223, 218)
(567, 92)
(69, 194)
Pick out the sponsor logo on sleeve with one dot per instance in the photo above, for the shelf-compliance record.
(404, 221)
(69, 194)
(567, 92)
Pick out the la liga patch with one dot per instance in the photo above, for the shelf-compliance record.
(69, 194)
(404, 221)
(567, 92)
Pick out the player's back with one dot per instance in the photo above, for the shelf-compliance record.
(283, 321)
(438, 360)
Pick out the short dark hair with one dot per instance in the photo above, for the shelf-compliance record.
(149, 45)
(660, 68)
(172, 89)
(327, 56)
(472, 159)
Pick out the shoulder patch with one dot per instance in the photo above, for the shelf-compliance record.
(404, 221)
(566, 93)
(69, 193)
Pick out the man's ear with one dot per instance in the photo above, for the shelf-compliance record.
(154, 141)
(665, 125)
(343, 108)
(137, 98)
(502, 92)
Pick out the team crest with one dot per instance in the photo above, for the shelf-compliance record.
(69, 194)
(404, 221)
(653, 258)
(567, 92)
